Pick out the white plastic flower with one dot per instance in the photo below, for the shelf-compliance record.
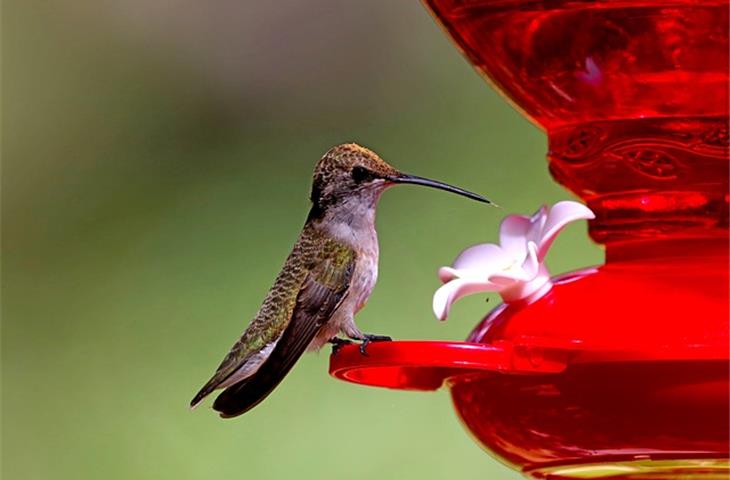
(515, 268)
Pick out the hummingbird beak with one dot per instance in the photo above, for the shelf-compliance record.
(426, 182)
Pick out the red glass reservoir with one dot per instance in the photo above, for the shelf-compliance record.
(619, 371)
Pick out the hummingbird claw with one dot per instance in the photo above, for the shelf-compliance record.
(338, 343)
(368, 338)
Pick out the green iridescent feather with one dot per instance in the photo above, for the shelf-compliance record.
(315, 254)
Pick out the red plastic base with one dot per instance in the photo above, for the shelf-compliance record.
(414, 365)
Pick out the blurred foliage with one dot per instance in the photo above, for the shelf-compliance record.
(147, 205)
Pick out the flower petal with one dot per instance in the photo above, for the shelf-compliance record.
(538, 285)
(446, 274)
(561, 214)
(526, 272)
(509, 278)
(531, 264)
(512, 235)
(515, 268)
(485, 257)
(454, 290)
(537, 222)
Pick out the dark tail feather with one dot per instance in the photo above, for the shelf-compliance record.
(204, 392)
(245, 395)
(315, 304)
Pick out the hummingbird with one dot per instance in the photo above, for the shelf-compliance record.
(325, 281)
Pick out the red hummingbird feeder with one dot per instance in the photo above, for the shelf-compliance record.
(619, 371)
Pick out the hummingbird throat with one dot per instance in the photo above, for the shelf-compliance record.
(352, 222)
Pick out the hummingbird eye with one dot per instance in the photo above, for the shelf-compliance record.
(360, 174)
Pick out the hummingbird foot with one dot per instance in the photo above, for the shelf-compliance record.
(338, 343)
(368, 338)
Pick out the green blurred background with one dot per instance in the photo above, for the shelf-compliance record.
(156, 167)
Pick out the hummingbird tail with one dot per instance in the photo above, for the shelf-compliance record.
(200, 396)
(315, 305)
(241, 397)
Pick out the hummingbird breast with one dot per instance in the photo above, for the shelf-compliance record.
(363, 238)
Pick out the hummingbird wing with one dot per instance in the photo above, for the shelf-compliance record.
(314, 255)
(323, 291)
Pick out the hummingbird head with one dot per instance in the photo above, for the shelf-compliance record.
(349, 172)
